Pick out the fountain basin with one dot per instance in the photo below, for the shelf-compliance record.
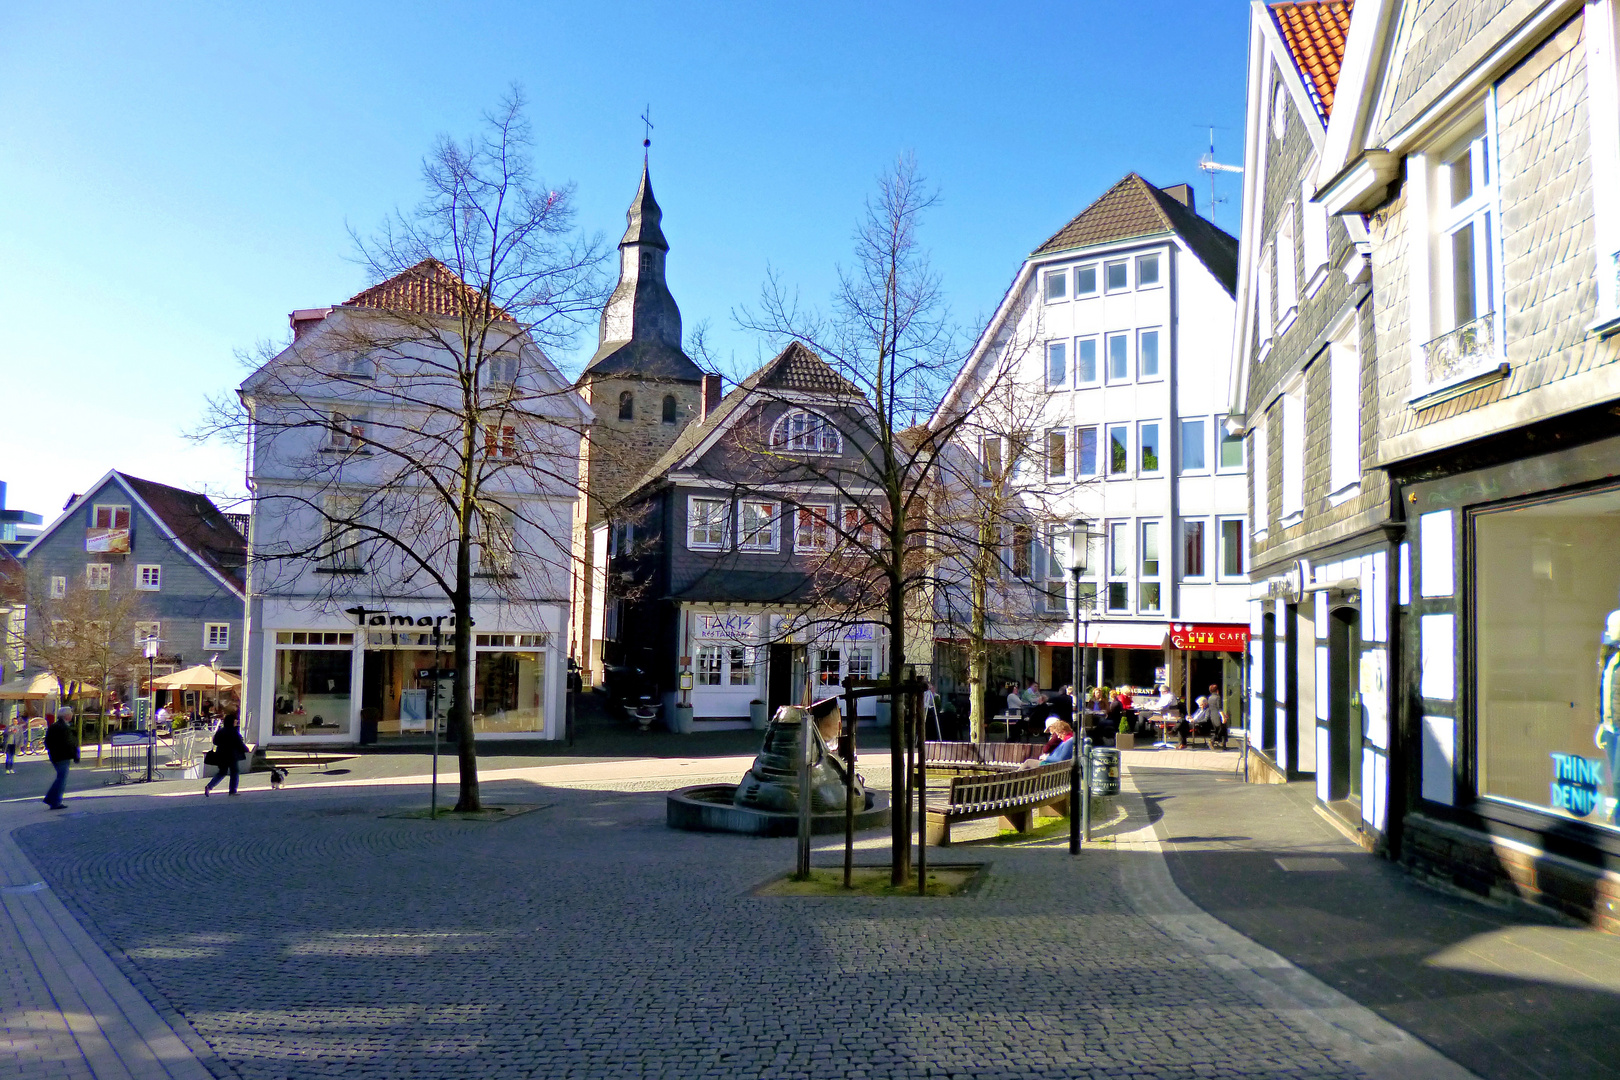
(709, 808)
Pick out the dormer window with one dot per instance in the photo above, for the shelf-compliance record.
(806, 432)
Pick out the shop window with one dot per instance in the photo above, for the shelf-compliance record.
(739, 668)
(828, 664)
(710, 666)
(509, 692)
(862, 663)
(1547, 655)
(312, 690)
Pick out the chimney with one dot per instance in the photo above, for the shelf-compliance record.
(711, 396)
(305, 319)
(1182, 193)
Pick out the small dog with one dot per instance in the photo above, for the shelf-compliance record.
(278, 776)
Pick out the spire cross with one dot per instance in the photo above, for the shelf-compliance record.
(646, 119)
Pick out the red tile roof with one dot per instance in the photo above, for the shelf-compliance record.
(1314, 34)
(428, 288)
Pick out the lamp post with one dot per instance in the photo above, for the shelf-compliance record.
(152, 644)
(213, 662)
(1078, 538)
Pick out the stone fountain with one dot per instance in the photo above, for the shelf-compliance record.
(766, 801)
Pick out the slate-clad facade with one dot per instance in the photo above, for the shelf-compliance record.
(721, 550)
(1480, 143)
(1304, 395)
(180, 555)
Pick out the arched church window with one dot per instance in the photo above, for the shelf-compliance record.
(627, 406)
(669, 408)
(646, 260)
(806, 432)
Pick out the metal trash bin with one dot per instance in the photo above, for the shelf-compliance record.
(1104, 771)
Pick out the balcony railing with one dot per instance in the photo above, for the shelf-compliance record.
(1467, 350)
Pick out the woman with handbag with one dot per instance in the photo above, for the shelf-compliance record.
(227, 754)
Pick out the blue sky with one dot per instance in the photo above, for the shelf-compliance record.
(179, 177)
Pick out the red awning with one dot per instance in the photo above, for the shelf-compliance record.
(1209, 637)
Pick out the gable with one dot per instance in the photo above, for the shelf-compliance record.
(1314, 34)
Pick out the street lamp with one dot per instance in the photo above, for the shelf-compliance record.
(1077, 544)
(151, 650)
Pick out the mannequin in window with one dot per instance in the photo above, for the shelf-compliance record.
(669, 408)
(627, 406)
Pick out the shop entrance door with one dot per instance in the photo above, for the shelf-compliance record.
(779, 692)
(1344, 708)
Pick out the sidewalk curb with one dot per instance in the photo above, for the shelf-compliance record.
(1324, 1015)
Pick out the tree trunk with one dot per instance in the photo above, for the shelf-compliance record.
(467, 800)
(978, 646)
(900, 832)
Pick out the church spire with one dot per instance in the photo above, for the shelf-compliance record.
(640, 334)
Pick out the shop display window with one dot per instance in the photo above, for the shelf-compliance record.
(1547, 655)
(313, 691)
(509, 692)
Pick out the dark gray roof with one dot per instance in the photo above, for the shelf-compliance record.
(794, 368)
(727, 584)
(644, 216)
(1132, 208)
(655, 361)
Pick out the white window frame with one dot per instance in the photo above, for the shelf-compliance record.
(1260, 490)
(805, 431)
(149, 577)
(1156, 333)
(346, 431)
(1057, 453)
(992, 472)
(501, 442)
(741, 667)
(497, 540)
(1108, 358)
(1096, 451)
(145, 631)
(502, 369)
(337, 552)
(856, 527)
(709, 525)
(1293, 404)
(754, 536)
(216, 635)
(1110, 264)
(98, 576)
(1344, 411)
(1187, 572)
(1060, 350)
(1080, 343)
(1081, 271)
(1262, 301)
(1287, 271)
(112, 517)
(1220, 440)
(805, 531)
(1182, 443)
(58, 587)
(1219, 540)
(1108, 467)
(1142, 468)
(1150, 530)
(1058, 279)
(1157, 259)
(1315, 242)
(1119, 555)
(709, 665)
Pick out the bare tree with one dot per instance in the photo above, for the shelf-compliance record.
(418, 439)
(85, 638)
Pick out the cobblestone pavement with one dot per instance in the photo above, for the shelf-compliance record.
(299, 935)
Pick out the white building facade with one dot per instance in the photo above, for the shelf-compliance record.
(1119, 329)
(349, 633)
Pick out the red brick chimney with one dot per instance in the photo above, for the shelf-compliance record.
(711, 396)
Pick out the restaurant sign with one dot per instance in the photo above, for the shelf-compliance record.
(729, 625)
(1208, 637)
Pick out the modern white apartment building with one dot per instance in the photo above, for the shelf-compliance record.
(1118, 331)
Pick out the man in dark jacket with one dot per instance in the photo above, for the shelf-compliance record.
(63, 749)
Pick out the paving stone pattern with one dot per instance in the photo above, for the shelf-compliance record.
(303, 936)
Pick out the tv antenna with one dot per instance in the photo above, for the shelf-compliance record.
(1210, 167)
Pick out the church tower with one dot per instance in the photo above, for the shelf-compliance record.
(644, 390)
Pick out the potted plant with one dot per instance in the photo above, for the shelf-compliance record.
(758, 718)
(1124, 739)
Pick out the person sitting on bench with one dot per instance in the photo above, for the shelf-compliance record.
(1063, 750)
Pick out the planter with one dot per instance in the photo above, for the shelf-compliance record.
(758, 718)
(1124, 741)
(682, 716)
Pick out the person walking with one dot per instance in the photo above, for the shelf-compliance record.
(63, 749)
(228, 752)
(11, 745)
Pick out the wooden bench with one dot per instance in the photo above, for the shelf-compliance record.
(978, 757)
(1013, 796)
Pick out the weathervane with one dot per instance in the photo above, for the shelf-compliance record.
(646, 119)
